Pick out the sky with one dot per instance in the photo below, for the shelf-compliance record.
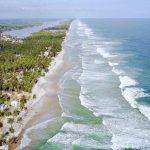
(74, 9)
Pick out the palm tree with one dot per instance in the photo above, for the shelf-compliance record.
(1, 81)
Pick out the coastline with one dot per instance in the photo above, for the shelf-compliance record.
(46, 91)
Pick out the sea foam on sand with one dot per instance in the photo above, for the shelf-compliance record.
(39, 91)
(126, 81)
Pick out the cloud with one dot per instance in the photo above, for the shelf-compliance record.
(74, 8)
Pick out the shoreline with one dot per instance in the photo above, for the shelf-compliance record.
(48, 99)
(41, 77)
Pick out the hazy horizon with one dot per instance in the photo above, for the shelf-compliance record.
(19, 9)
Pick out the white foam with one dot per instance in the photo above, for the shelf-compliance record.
(96, 61)
(84, 29)
(126, 82)
(88, 31)
(73, 133)
(26, 140)
(124, 141)
(78, 128)
(91, 144)
(105, 54)
(112, 43)
(112, 64)
(145, 110)
(84, 101)
(117, 71)
(65, 139)
(132, 93)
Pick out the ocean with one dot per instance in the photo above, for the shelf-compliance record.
(105, 94)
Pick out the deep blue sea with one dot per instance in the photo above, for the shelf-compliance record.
(126, 47)
(105, 94)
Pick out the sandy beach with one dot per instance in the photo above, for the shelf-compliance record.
(45, 109)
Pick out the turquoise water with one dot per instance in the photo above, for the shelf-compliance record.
(104, 95)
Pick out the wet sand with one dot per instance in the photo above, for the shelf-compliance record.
(46, 108)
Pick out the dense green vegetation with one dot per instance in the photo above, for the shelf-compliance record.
(62, 26)
(21, 64)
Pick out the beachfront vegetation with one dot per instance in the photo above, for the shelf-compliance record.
(62, 26)
(21, 64)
